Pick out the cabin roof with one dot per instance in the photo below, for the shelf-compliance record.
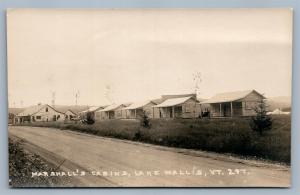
(93, 109)
(31, 110)
(158, 100)
(110, 108)
(170, 96)
(173, 102)
(15, 111)
(230, 96)
(165, 97)
(73, 108)
(34, 109)
(70, 111)
(137, 105)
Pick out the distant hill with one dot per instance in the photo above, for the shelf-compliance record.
(280, 102)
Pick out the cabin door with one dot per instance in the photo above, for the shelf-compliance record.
(111, 115)
(226, 110)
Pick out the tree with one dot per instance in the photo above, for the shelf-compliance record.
(261, 121)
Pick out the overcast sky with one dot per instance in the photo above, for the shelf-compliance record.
(129, 55)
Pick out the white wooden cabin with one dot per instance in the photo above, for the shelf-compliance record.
(183, 107)
(39, 113)
(234, 104)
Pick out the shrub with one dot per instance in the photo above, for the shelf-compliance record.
(137, 135)
(145, 122)
(90, 118)
(261, 122)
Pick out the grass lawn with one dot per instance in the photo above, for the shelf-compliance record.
(219, 135)
(22, 164)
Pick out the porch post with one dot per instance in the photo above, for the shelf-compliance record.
(173, 110)
(153, 112)
(134, 113)
(231, 109)
(220, 110)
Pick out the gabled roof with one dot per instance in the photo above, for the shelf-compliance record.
(93, 109)
(127, 104)
(137, 105)
(173, 102)
(31, 110)
(230, 96)
(73, 108)
(158, 100)
(201, 99)
(15, 111)
(70, 111)
(111, 108)
(34, 109)
(170, 96)
(165, 97)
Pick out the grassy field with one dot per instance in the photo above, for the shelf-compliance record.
(218, 135)
(23, 163)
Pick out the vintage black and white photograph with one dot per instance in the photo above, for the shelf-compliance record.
(149, 97)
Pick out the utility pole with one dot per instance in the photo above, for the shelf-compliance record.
(197, 77)
(77, 95)
(53, 98)
(108, 93)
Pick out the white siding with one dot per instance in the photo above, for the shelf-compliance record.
(47, 114)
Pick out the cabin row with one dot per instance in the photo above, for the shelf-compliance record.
(175, 107)
(231, 104)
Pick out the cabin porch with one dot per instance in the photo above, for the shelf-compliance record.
(227, 109)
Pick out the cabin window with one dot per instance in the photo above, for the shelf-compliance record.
(38, 117)
(250, 105)
(178, 109)
(187, 108)
(148, 112)
(119, 113)
(47, 109)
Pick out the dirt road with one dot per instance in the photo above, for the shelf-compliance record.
(110, 162)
